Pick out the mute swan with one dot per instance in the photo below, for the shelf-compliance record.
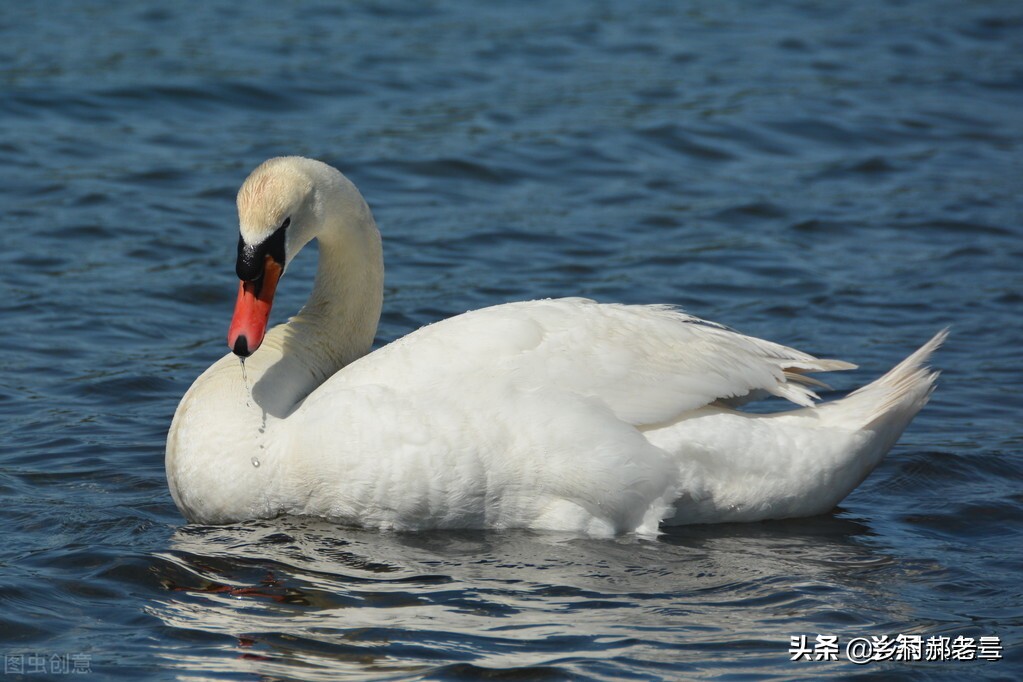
(557, 414)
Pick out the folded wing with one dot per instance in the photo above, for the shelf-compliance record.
(648, 364)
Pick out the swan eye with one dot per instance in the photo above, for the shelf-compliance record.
(251, 257)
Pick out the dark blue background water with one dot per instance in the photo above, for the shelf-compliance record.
(842, 177)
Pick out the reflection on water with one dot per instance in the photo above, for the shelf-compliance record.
(267, 596)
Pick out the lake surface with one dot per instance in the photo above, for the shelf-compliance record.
(841, 177)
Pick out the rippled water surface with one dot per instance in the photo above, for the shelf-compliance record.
(842, 177)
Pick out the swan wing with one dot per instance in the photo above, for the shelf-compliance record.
(647, 364)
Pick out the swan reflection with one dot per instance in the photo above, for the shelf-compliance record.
(263, 597)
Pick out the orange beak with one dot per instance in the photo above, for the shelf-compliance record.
(252, 311)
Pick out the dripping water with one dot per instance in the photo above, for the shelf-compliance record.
(245, 380)
(262, 445)
(248, 403)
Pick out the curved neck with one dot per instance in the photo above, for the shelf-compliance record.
(338, 323)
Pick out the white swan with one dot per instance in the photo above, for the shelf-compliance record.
(558, 414)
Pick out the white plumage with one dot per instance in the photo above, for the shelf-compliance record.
(558, 414)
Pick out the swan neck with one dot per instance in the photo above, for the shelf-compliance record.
(339, 321)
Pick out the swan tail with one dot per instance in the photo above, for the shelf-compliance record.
(887, 405)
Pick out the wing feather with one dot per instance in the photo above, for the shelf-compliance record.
(648, 364)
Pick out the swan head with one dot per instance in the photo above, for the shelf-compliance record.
(280, 210)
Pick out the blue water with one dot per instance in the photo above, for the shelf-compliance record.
(841, 177)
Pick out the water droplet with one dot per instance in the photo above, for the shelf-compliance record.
(245, 381)
(255, 462)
